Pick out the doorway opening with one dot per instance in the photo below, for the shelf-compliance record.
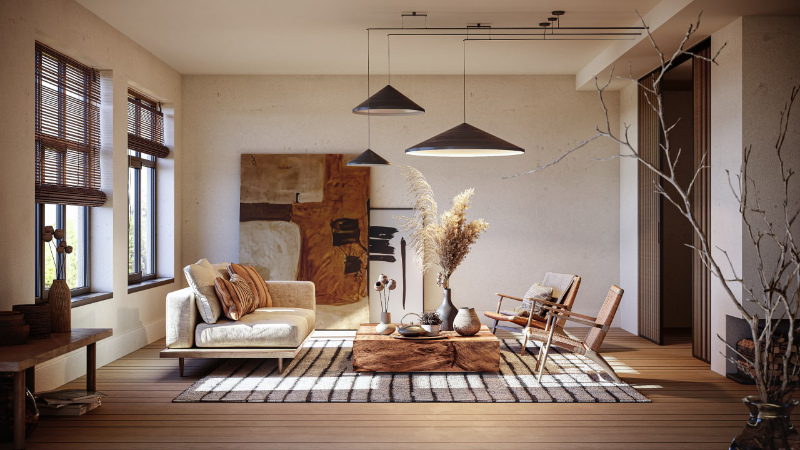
(674, 284)
(676, 232)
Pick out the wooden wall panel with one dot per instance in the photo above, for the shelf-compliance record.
(701, 202)
(649, 217)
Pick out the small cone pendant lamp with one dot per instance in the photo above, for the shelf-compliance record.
(465, 140)
(368, 158)
(388, 102)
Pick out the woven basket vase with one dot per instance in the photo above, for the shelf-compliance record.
(60, 301)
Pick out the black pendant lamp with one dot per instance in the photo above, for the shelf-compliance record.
(465, 140)
(388, 101)
(368, 157)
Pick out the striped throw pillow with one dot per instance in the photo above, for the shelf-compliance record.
(236, 296)
(257, 284)
(539, 292)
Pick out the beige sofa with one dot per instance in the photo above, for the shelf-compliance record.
(278, 331)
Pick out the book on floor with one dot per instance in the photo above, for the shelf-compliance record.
(73, 409)
(69, 396)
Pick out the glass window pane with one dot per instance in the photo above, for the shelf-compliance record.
(147, 221)
(49, 251)
(132, 215)
(75, 226)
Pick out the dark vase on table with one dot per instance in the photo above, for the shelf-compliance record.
(447, 312)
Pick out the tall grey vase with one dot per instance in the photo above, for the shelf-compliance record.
(447, 312)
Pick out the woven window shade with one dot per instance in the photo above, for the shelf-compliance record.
(67, 116)
(145, 125)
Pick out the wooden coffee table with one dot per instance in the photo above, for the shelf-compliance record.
(373, 352)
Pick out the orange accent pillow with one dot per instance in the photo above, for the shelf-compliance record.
(236, 296)
(257, 283)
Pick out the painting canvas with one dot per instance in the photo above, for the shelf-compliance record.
(390, 254)
(304, 217)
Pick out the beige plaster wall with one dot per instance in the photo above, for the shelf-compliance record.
(770, 69)
(563, 219)
(136, 319)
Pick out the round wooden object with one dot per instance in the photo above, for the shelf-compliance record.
(60, 301)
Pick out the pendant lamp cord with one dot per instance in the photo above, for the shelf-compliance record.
(389, 55)
(465, 81)
(369, 138)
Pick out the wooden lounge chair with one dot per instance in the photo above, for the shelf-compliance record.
(554, 334)
(565, 301)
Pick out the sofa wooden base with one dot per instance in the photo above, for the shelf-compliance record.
(197, 352)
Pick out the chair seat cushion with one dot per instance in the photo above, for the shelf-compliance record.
(271, 327)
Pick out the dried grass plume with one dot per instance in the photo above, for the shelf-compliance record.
(444, 241)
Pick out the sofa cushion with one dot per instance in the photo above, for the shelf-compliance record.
(257, 283)
(201, 276)
(236, 297)
(263, 328)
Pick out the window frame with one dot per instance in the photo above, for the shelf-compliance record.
(61, 214)
(137, 162)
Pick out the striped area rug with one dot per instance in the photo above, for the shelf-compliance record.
(323, 372)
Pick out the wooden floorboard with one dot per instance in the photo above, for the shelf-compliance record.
(692, 408)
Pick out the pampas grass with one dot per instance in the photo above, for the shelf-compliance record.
(439, 240)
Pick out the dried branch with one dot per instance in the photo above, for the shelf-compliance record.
(776, 294)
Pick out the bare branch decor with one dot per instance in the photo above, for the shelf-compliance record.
(774, 297)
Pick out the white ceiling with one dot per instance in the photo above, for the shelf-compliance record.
(329, 37)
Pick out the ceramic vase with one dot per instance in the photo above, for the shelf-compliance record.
(433, 330)
(769, 426)
(467, 322)
(60, 301)
(385, 327)
(447, 312)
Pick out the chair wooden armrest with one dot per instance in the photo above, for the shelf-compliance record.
(578, 318)
(547, 304)
(502, 296)
(565, 313)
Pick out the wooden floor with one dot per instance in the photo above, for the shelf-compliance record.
(692, 408)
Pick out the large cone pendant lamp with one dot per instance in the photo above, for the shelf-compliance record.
(465, 140)
(388, 102)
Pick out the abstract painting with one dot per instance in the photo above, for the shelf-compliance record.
(304, 217)
(390, 254)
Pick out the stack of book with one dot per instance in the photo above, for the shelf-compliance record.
(68, 402)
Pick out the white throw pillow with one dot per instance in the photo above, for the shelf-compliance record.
(201, 276)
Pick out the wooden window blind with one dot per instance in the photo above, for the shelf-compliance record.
(145, 125)
(67, 116)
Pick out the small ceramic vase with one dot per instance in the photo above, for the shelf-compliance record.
(385, 327)
(467, 322)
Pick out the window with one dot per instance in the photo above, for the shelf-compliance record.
(145, 146)
(67, 146)
(74, 220)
